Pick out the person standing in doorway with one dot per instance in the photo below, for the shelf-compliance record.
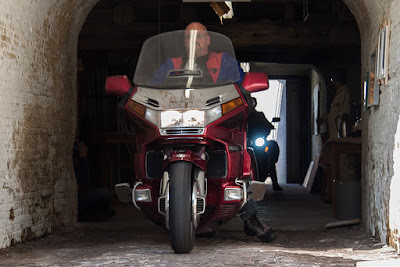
(340, 108)
(340, 105)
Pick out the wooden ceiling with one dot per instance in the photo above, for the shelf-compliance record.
(273, 30)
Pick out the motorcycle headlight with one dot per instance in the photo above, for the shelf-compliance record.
(260, 141)
(189, 118)
(193, 118)
(171, 118)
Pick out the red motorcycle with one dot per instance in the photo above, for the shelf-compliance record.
(193, 168)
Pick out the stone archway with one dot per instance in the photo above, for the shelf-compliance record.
(38, 44)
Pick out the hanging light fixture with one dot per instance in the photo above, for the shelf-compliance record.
(220, 8)
(230, 14)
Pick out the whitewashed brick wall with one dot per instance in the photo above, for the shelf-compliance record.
(38, 41)
(381, 157)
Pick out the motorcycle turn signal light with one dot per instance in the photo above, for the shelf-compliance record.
(231, 105)
(138, 108)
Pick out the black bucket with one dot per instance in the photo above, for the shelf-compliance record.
(347, 199)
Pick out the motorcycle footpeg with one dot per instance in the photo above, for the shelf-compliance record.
(124, 192)
(256, 190)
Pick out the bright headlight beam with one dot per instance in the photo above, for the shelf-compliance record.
(259, 141)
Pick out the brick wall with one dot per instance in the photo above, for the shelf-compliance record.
(381, 157)
(38, 42)
(393, 97)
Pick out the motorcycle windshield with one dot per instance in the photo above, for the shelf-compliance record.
(186, 59)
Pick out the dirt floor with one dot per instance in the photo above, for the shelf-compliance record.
(127, 239)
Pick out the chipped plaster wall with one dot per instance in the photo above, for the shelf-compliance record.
(38, 41)
(393, 95)
(381, 158)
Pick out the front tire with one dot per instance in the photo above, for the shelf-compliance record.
(182, 233)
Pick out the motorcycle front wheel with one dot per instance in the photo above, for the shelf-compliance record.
(182, 233)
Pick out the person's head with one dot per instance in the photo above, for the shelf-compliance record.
(202, 39)
(338, 77)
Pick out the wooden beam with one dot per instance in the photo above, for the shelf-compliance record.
(295, 34)
(265, 33)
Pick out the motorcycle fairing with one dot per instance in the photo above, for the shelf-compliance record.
(184, 98)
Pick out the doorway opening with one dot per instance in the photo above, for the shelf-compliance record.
(272, 103)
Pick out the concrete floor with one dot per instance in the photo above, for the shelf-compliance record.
(127, 239)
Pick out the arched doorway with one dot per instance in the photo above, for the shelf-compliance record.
(64, 21)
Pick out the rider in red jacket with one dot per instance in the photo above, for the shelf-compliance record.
(216, 67)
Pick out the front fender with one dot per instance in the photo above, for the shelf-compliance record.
(197, 159)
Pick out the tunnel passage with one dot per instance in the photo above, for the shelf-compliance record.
(106, 47)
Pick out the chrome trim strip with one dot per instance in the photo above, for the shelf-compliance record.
(133, 194)
(182, 131)
(242, 183)
(234, 148)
